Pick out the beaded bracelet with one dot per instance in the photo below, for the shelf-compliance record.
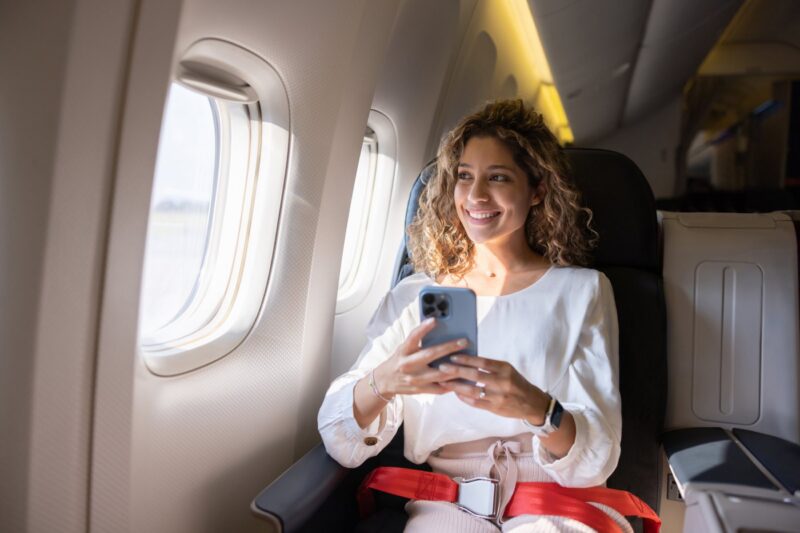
(375, 387)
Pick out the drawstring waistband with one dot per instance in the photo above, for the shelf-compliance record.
(478, 448)
(507, 476)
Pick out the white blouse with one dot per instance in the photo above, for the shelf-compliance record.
(560, 333)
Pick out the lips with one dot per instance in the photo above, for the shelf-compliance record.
(482, 216)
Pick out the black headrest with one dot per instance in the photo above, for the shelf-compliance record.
(616, 191)
(416, 192)
(624, 208)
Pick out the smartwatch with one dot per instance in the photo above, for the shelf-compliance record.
(552, 419)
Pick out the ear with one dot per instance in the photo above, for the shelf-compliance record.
(538, 195)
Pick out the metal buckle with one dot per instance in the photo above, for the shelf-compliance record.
(478, 496)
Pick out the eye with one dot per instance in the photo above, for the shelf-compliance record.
(500, 177)
(464, 176)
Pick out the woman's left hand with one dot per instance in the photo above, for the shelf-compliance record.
(502, 390)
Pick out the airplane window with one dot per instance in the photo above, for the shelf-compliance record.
(359, 210)
(217, 192)
(369, 208)
(181, 207)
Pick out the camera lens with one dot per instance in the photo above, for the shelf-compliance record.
(442, 306)
(428, 299)
(428, 310)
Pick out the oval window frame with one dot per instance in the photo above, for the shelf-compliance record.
(235, 76)
(366, 266)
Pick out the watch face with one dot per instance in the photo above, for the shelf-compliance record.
(555, 416)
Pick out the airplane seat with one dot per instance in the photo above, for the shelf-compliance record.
(402, 267)
(624, 216)
(628, 252)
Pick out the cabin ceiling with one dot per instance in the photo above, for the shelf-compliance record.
(615, 61)
(763, 40)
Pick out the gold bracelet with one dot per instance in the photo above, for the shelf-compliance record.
(375, 387)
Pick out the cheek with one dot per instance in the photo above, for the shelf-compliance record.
(459, 194)
(517, 202)
(520, 213)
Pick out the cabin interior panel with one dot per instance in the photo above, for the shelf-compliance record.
(178, 432)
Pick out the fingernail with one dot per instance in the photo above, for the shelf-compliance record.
(430, 320)
(455, 358)
(446, 368)
(462, 342)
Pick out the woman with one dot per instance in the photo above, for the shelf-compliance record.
(500, 217)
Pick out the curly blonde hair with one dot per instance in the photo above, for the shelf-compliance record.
(558, 228)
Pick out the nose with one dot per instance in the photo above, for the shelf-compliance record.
(478, 191)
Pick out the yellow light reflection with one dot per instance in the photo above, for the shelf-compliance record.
(548, 101)
(547, 98)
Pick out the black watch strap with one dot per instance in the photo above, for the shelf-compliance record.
(556, 414)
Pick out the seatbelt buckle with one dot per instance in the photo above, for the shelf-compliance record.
(478, 496)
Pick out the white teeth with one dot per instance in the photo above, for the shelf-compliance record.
(483, 215)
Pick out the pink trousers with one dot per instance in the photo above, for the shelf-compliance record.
(510, 460)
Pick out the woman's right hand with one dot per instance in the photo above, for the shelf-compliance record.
(407, 370)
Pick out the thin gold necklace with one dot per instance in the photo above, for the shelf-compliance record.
(487, 274)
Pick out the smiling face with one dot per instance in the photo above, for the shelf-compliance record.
(492, 193)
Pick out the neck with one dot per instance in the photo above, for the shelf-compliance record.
(493, 259)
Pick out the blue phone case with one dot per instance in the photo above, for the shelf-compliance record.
(456, 318)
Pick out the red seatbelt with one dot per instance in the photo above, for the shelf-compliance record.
(623, 502)
(528, 498)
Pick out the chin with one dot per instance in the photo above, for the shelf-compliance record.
(480, 238)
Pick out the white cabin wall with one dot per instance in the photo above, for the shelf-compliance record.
(189, 452)
(78, 216)
(30, 106)
(416, 66)
(334, 208)
(651, 143)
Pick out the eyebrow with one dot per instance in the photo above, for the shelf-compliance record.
(490, 167)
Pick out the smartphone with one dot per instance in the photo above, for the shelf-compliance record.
(456, 318)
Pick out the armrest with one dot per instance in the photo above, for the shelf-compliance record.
(318, 494)
(291, 500)
(707, 458)
(780, 457)
(735, 480)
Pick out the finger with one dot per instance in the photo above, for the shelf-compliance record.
(470, 374)
(474, 402)
(414, 338)
(437, 376)
(448, 378)
(431, 353)
(474, 391)
(431, 376)
(492, 365)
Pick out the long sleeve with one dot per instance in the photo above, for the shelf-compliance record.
(344, 439)
(589, 391)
